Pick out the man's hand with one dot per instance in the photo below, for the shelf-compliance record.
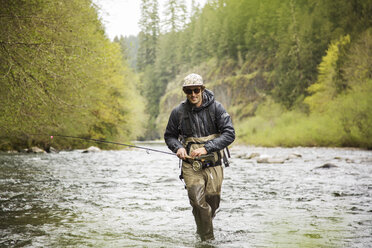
(181, 153)
(198, 152)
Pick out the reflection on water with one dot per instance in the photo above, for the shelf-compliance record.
(133, 199)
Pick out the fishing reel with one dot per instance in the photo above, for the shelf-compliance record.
(202, 162)
(197, 165)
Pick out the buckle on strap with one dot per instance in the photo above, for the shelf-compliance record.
(203, 162)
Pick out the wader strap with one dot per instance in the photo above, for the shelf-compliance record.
(225, 161)
(212, 118)
(218, 162)
(181, 174)
(228, 152)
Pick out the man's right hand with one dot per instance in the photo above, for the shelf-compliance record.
(181, 153)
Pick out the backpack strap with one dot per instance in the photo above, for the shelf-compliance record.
(212, 118)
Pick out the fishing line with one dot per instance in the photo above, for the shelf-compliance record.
(111, 142)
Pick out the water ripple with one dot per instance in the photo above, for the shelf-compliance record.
(130, 198)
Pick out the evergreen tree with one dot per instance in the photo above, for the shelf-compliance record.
(148, 36)
(175, 15)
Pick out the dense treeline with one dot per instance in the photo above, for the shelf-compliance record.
(292, 72)
(61, 75)
(129, 49)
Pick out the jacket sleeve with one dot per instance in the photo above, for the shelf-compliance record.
(172, 132)
(226, 129)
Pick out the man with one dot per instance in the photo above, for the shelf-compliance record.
(200, 126)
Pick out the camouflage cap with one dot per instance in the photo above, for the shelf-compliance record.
(192, 80)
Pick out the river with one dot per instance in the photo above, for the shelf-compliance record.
(132, 198)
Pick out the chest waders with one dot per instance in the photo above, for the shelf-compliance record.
(203, 185)
(203, 176)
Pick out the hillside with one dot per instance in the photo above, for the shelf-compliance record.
(290, 74)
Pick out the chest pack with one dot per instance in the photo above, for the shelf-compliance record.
(209, 160)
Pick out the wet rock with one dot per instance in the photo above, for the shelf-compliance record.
(338, 194)
(266, 160)
(348, 160)
(51, 150)
(36, 149)
(294, 155)
(92, 149)
(245, 156)
(327, 166)
(262, 160)
(253, 155)
(12, 152)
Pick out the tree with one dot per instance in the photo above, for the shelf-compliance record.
(148, 37)
(325, 89)
(175, 15)
(62, 75)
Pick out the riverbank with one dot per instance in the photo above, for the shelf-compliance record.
(256, 141)
(340, 125)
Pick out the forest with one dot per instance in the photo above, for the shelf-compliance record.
(290, 73)
(61, 75)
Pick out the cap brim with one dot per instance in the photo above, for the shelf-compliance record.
(193, 85)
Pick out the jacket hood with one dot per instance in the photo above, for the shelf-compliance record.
(208, 99)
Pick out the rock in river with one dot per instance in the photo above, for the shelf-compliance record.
(246, 156)
(36, 149)
(327, 166)
(51, 150)
(92, 149)
(294, 155)
(253, 155)
(266, 160)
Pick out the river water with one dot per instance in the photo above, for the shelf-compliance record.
(131, 198)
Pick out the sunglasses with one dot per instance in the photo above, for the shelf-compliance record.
(189, 91)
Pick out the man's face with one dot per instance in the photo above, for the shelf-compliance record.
(194, 95)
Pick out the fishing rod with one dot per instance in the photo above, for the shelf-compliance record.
(197, 163)
(111, 142)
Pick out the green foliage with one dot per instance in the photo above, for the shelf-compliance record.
(346, 122)
(61, 75)
(129, 49)
(354, 113)
(148, 37)
(283, 69)
(175, 15)
(357, 66)
(326, 88)
(274, 126)
(337, 118)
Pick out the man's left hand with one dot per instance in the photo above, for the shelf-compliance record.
(198, 152)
